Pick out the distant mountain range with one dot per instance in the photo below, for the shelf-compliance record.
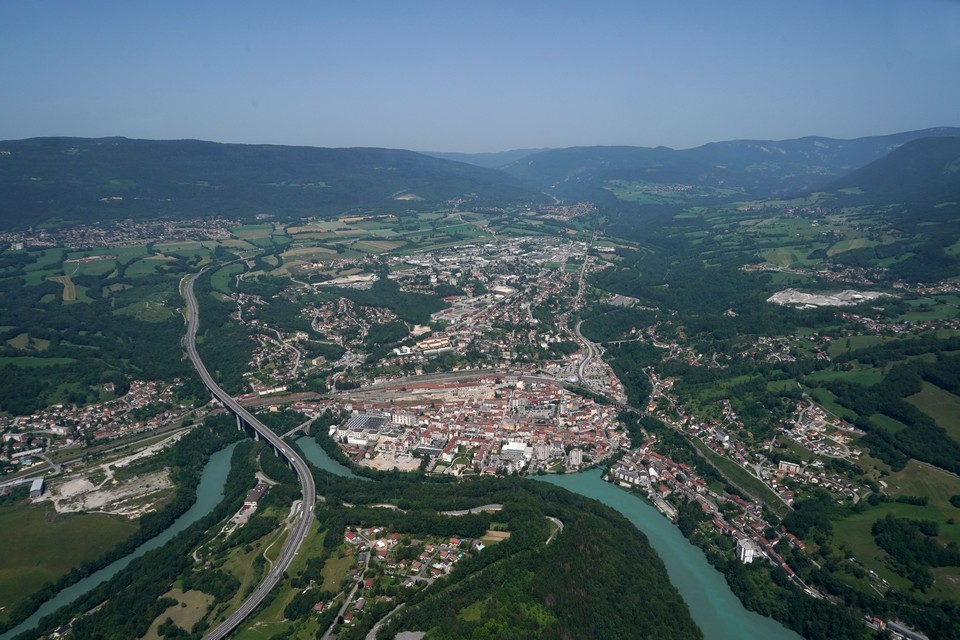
(81, 179)
(496, 160)
(752, 168)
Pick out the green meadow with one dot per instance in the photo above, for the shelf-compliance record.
(942, 406)
(33, 549)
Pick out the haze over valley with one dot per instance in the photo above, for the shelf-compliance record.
(662, 339)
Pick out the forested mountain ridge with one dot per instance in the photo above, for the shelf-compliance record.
(755, 168)
(83, 179)
(923, 171)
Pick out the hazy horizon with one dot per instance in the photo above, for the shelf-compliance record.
(442, 77)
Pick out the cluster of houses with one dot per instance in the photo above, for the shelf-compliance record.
(499, 320)
(658, 477)
(811, 427)
(780, 349)
(380, 549)
(436, 560)
(864, 276)
(502, 285)
(120, 233)
(336, 317)
(905, 326)
(60, 425)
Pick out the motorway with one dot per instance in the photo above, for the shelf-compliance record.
(593, 351)
(301, 528)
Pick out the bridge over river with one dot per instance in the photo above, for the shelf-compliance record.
(246, 421)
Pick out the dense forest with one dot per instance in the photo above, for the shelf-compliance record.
(521, 588)
(222, 343)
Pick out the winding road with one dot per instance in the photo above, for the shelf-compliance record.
(301, 528)
(593, 351)
(559, 524)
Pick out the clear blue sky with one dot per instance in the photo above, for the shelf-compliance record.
(477, 76)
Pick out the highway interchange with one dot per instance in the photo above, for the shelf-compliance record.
(301, 528)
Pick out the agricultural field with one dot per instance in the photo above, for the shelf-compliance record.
(888, 424)
(47, 264)
(942, 406)
(349, 227)
(146, 267)
(272, 612)
(829, 402)
(266, 243)
(787, 230)
(919, 479)
(307, 253)
(240, 564)
(376, 246)
(222, 278)
(852, 343)
(861, 375)
(853, 532)
(191, 606)
(360, 235)
(657, 193)
(849, 245)
(33, 362)
(25, 341)
(495, 537)
(152, 308)
(926, 309)
(787, 256)
(251, 231)
(334, 570)
(91, 268)
(37, 555)
(69, 289)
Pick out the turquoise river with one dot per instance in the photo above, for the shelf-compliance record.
(713, 606)
(209, 494)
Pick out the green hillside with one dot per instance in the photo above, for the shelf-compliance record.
(79, 180)
(922, 172)
(916, 190)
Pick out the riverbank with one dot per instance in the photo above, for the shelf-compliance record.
(714, 607)
(210, 492)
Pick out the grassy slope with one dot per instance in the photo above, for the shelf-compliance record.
(916, 479)
(942, 406)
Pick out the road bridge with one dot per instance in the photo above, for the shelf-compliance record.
(246, 421)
